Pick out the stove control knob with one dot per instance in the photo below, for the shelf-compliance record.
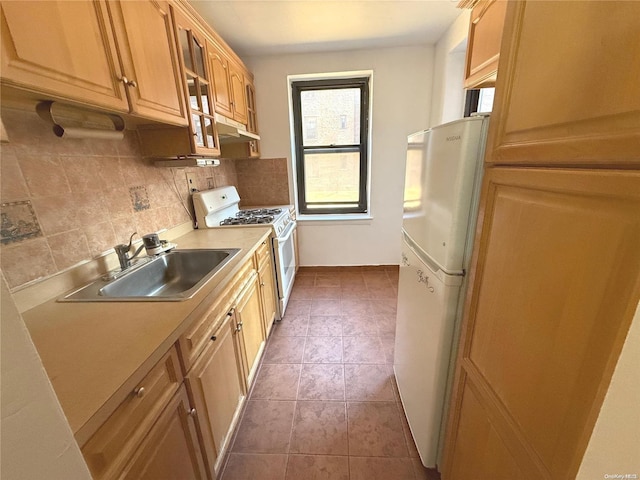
(280, 229)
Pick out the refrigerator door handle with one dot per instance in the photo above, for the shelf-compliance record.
(428, 261)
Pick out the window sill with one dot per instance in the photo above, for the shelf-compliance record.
(344, 218)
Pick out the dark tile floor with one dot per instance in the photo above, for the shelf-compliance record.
(325, 404)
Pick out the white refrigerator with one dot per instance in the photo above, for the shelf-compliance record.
(442, 183)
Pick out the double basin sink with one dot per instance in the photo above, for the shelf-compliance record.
(172, 276)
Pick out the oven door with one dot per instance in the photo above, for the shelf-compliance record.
(285, 254)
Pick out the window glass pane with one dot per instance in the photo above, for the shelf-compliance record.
(328, 107)
(208, 128)
(332, 177)
(204, 96)
(485, 101)
(197, 130)
(198, 53)
(184, 46)
(193, 93)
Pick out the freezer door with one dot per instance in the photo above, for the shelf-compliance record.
(439, 221)
(427, 304)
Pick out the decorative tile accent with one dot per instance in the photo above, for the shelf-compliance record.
(19, 222)
(139, 198)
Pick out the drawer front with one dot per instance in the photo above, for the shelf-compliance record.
(197, 337)
(115, 441)
(263, 252)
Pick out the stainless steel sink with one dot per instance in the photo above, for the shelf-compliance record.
(172, 276)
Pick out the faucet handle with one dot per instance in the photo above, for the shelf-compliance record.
(131, 240)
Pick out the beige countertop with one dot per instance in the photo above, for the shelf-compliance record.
(96, 353)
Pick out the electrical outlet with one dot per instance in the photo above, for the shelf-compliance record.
(191, 182)
(210, 182)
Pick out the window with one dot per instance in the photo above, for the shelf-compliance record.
(479, 100)
(331, 118)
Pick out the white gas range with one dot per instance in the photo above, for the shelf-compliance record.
(218, 208)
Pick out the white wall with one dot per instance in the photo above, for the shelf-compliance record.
(614, 448)
(37, 441)
(402, 86)
(448, 90)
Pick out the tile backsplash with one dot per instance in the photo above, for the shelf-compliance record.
(64, 201)
(263, 182)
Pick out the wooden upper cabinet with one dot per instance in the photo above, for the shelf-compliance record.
(148, 51)
(229, 80)
(483, 48)
(62, 49)
(199, 88)
(219, 66)
(570, 98)
(239, 95)
(67, 50)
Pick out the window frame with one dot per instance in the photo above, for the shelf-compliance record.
(297, 86)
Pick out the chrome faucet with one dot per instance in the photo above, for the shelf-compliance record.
(123, 253)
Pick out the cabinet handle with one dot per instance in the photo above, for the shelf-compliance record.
(230, 313)
(262, 284)
(129, 83)
(140, 392)
(239, 327)
(213, 338)
(192, 412)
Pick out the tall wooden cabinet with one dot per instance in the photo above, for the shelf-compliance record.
(556, 270)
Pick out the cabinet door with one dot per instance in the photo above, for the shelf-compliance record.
(216, 386)
(483, 51)
(171, 450)
(554, 292)
(248, 317)
(267, 294)
(148, 51)
(238, 93)
(219, 66)
(198, 87)
(567, 97)
(63, 49)
(110, 448)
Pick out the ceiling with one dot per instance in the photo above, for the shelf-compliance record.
(271, 27)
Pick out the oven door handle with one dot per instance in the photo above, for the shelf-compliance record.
(287, 234)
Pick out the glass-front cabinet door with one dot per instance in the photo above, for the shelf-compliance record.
(199, 89)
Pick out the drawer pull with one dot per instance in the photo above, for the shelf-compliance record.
(192, 412)
(213, 338)
(140, 392)
(230, 313)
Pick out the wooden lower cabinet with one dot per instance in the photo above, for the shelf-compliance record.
(554, 291)
(249, 324)
(112, 445)
(171, 450)
(216, 386)
(267, 294)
